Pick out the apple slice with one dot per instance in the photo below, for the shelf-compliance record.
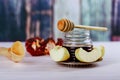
(84, 56)
(59, 53)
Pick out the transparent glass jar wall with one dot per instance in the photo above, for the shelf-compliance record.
(78, 38)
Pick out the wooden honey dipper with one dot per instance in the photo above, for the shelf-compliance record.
(66, 25)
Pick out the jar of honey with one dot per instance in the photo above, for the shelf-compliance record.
(77, 38)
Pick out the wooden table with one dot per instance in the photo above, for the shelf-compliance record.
(43, 68)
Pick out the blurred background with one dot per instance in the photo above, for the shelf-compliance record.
(23, 19)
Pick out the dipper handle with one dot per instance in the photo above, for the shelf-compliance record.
(91, 27)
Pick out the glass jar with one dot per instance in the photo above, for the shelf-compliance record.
(77, 38)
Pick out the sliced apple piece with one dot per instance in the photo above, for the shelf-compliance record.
(59, 53)
(84, 56)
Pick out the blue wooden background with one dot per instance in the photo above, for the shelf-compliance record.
(13, 18)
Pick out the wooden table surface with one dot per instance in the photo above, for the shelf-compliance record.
(43, 68)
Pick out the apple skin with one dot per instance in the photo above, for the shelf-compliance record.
(59, 53)
(84, 56)
(102, 48)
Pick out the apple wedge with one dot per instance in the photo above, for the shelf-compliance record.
(59, 53)
(84, 56)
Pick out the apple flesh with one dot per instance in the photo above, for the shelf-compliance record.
(84, 56)
(59, 53)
